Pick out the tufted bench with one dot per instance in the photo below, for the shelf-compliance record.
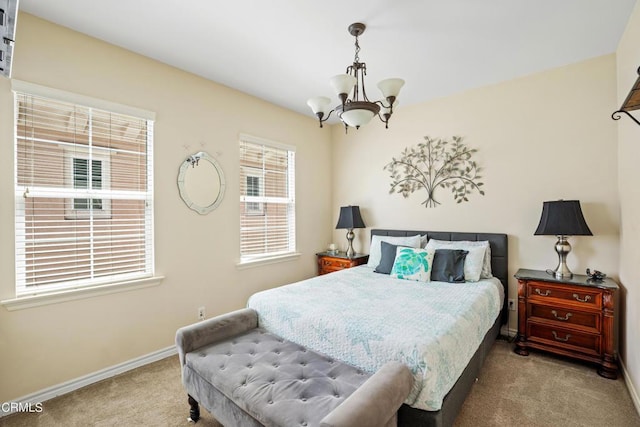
(246, 376)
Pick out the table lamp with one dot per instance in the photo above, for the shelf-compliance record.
(562, 218)
(350, 218)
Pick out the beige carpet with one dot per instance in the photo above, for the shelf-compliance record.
(534, 391)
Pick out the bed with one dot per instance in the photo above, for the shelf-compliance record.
(441, 331)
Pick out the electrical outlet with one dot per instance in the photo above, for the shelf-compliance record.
(201, 313)
(512, 305)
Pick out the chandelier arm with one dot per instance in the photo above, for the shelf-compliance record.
(390, 100)
(384, 120)
(352, 71)
(381, 103)
(388, 114)
(356, 87)
(363, 73)
(321, 115)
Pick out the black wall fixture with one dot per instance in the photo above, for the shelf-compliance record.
(8, 16)
(631, 103)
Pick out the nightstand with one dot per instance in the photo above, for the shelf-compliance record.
(574, 317)
(334, 261)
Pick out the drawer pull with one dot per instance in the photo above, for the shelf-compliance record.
(566, 317)
(547, 292)
(565, 339)
(586, 298)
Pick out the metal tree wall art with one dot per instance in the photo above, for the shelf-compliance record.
(436, 163)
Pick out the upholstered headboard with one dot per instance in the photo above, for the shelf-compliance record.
(499, 251)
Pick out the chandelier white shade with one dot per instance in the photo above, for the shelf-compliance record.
(390, 87)
(356, 117)
(343, 83)
(355, 109)
(319, 104)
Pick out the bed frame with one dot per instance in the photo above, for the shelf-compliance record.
(408, 416)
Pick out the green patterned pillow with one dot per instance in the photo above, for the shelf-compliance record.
(413, 264)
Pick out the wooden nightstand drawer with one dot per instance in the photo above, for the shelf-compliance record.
(335, 263)
(566, 315)
(328, 262)
(586, 297)
(329, 269)
(566, 338)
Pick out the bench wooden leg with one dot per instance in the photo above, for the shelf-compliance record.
(194, 412)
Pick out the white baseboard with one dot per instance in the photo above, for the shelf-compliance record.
(632, 390)
(72, 385)
(508, 332)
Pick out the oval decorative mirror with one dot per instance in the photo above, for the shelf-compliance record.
(201, 182)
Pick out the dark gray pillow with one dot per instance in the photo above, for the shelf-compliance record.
(448, 265)
(387, 258)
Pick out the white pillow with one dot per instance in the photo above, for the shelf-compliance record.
(413, 264)
(477, 264)
(375, 252)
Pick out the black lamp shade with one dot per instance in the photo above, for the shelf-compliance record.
(350, 218)
(562, 218)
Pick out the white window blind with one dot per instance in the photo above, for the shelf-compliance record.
(267, 199)
(84, 195)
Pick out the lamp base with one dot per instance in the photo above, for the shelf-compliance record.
(350, 236)
(560, 275)
(563, 248)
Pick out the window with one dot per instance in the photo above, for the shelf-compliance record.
(82, 169)
(267, 199)
(83, 191)
(254, 189)
(78, 168)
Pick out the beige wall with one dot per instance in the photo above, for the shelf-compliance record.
(45, 346)
(628, 61)
(543, 137)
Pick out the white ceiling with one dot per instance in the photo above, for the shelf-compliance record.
(285, 51)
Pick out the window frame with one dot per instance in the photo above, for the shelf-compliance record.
(41, 294)
(291, 251)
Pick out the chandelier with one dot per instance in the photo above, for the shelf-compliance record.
(355, 109)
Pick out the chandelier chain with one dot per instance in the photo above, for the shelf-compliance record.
(356, 58)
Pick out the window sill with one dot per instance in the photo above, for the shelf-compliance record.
(29, 301)
(265, 261)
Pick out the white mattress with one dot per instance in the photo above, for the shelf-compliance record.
(366, 319)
